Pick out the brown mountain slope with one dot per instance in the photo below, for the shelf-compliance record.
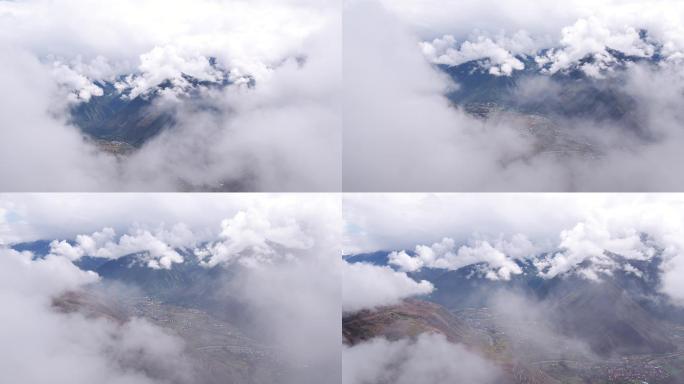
(414, 317)
(408, 319)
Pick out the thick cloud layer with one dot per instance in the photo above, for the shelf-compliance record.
(289, 280)
(251, 236)
(160, 247)
(539, 19)
(248, 37)
(277, 256)
(402, 134)
(278, 125)
(31, 217)
(283, 134)
(402, 221)
(429, 359)
(34, 139)
(51, 346)
(499, 258)
(366, 286)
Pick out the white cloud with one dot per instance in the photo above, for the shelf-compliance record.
(164, 63)
(265, 233)
(401, 221)
(86, 245)
(252, 238)
(590, 37)
(296, 305)
(82, 88)
(398, 124)
(292, 290)
(159, 248)
(564, 234)
(245, 36)
(57, 274)
(366, 286)
(287, 296)
(429, 359)
(281, 135)
(59, 347)
(407, 136)
(595, 27)
(248, 229)
(37, 147)
(589, 241)
(31, 217)
(498, 60)
(284, 283)
(447, 255)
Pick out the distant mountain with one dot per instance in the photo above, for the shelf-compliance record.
(566, 95)
(465, 287)
(39, 248)
(608, 319)
(186, 284)
(121, 122)
(112, 118)
(622, 314)
(88, 263)
(133, 270)
(379, 258)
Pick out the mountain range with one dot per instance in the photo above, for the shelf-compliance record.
(190, 301)
(121, 121)
(549, 106)
(569, 326)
